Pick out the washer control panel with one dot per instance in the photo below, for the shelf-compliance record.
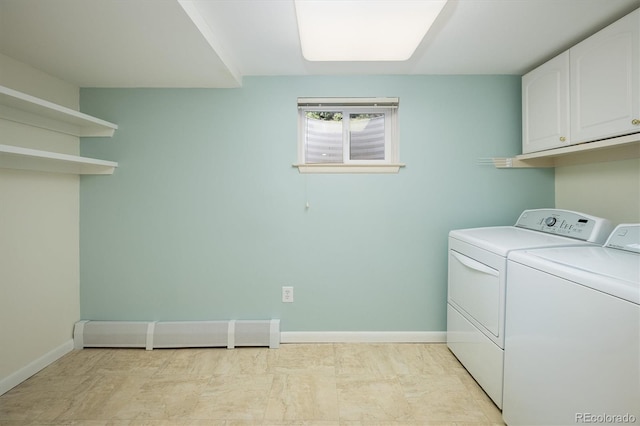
(566, 223)
(625, 237)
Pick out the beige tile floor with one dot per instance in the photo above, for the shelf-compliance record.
(297, 384)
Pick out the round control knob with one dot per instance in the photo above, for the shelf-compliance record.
(550, 221)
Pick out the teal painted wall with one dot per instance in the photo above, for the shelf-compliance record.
(205, 218)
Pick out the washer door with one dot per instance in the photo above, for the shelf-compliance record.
(474, 288)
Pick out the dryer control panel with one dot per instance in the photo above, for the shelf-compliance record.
(566, 223)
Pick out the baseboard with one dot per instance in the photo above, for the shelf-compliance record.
(363, 336)
(33, 367)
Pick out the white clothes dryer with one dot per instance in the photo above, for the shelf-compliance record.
(478, 276)
(572, 345)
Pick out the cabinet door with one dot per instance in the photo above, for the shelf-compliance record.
(605, 82)
(545, 106)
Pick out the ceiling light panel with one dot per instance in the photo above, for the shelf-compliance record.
(364, 30)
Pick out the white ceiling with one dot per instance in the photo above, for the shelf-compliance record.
(214, 43)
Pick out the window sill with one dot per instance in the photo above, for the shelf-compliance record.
(349, 168)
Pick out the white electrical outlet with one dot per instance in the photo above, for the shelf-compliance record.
(287, 294)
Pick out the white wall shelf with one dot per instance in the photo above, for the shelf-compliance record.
(614, 149)
(14, 157)
(26, 109)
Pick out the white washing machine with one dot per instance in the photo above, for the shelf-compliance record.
(572, 346)
(478, 277)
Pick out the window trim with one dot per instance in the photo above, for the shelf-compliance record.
(389, 165)
(349, 168)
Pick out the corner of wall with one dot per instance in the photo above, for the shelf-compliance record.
(39, 224)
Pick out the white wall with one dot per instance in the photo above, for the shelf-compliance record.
(610, 190)
(39, 229)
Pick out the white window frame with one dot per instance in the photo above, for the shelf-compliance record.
(388, 106)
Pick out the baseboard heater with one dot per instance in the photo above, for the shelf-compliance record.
(176, 334)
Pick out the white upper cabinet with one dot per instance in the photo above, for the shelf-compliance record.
(588, 93)
(545, 106)
(605, 82)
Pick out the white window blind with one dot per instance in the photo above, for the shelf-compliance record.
(348, 131)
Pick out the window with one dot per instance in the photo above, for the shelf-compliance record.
(348, 135)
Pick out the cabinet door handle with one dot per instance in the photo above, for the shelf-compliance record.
(635, 122)
(562, 139)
